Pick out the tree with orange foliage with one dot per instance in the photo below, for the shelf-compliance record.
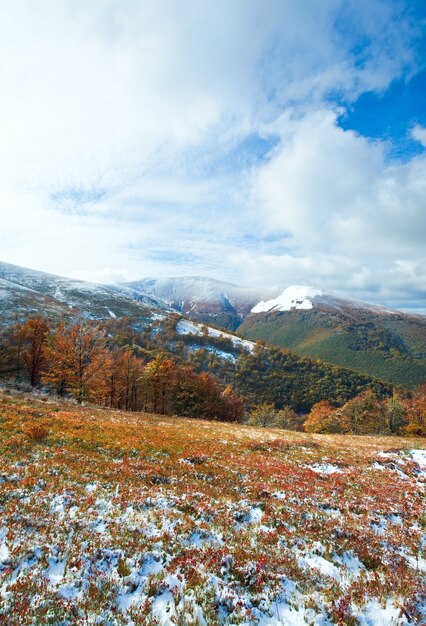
(416, 412)
(323, 419)
(233, 405)
(74, 358)
(130, 380)
(31, 340)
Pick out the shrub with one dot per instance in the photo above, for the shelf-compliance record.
(36, 432)
(288, 419)
(262, 415)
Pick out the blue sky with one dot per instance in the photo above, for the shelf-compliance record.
(391, 116)
(263, 142)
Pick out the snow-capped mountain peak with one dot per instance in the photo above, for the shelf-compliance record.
(293, 297)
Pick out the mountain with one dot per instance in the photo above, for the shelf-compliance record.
(303, 297)
(382, 342)
(201, 298)
(134, 320)
(24, 291)
(375, 341)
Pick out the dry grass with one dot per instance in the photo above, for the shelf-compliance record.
(113, 516)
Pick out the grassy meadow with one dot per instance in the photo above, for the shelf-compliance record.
(109, 517)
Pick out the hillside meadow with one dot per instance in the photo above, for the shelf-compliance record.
(108, 517)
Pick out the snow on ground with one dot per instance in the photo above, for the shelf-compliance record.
(375, 614)
(324, 468)
(123, 519)
(157, 316)
(419, 456)
(185, 327)
(227, 356)
(304, 297)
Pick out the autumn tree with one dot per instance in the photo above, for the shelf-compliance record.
(262, 415)
(233, 405)
(363, 415)
(396, 412)
(31, 340)
(323, 418)
(288, 419)
(416, 412)
(118, 382)
(6, 355)
(131, 380)
(160, 379)
(74, 357)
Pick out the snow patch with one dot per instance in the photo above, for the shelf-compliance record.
(293, 297)
(419, 456)
(374, 614)
(4, 552)
(315, 561)
(325, 468)
(185, 327)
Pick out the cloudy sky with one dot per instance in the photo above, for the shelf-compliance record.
(256, 141)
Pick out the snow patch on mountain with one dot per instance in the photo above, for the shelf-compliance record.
(293, 297)
(304, 297)
(185, 327)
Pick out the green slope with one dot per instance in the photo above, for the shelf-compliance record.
(389, 347)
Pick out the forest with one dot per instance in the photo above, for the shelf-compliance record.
(155, 369)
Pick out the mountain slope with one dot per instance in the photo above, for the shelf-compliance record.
(384, 343)
(149, 519)
(201, 298)
(24, 291)
(376, 342)
(260, 375)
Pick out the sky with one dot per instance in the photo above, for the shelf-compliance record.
(262, 142)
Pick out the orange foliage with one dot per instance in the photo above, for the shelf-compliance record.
(416, 412)
(322, 419)
(36, 432)
(31, 338)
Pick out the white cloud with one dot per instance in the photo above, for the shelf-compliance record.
(349, 214)
(419, 134)
(113, 115)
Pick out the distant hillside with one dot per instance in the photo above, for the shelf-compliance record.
(368, 338)
(384, 343)
(24, 291)
(260, 375)
(270, 375)
(201, 298)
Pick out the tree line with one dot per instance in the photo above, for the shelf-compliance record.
(265, 375)
(402, 413)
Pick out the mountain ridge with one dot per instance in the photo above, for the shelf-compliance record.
(24, 291)
(306, 297)
(377, 341)
(203, 298)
